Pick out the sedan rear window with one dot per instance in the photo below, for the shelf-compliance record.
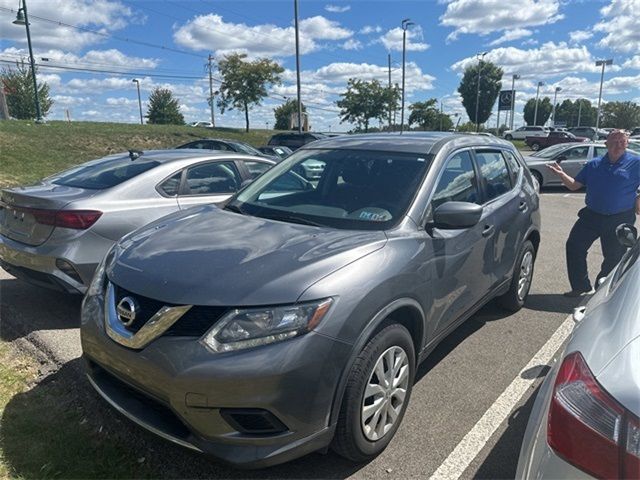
(104, 174)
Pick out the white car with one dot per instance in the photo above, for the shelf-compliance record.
(523, 132)
(202, 124)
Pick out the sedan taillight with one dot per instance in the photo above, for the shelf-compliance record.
(589, 428)
(76, 219)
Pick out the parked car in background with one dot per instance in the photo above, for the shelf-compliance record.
(589, 132)
(571, 156)
(55, 233)
(522, 132)
(226, 146)
(276, 151)
(202, 124)
(585, 422)
(635, 131)
(294, 319)
(538, 142)
(294, 140)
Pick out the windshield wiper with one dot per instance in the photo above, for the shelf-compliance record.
(233, 208)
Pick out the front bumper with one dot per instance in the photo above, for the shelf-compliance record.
(37, 264)
(178, 389)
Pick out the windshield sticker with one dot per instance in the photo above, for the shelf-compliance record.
(374, 217)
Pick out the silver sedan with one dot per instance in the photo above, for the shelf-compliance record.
(585, 422)
(56, 232)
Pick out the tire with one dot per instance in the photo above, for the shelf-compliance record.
(508, 136)
(354, 438)
(538, 177)
(515, 297)
(535, 146)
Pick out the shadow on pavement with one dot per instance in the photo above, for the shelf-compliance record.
(25, 308)
(61, 428)
(500, 461)
(551, 302)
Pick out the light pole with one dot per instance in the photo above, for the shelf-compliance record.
(480, 56)
(137, 82)
(514, 77)
(535, 113)
(23, 19)
(602, 63)
(295, 8)
(406, 23)
(553, 113)
(441, 115)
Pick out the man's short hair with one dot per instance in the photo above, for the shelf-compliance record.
(617, 132)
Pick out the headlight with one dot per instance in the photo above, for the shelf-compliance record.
(253, 327)
(97, 282)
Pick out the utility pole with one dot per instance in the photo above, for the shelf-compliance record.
(602, 63)
(481, 57)
(137, 82)
(514, 77)
(405, 24)
(210, 67)
(390, 103)
(535, 112)
(441, 115)
(579, 111)
(553, 114)
(295, 8)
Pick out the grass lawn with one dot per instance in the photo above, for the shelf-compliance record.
(45, 433)
(29, 152)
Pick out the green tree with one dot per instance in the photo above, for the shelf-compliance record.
(283, 114)
(544, 111)
(425, 114)
(164, 109)
(490, 86)
(244, 84)
(568, 113)
(366, 100)
(467, 127)
(624, 115)
(19, 91)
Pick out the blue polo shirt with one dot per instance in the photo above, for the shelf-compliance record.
(611, 187)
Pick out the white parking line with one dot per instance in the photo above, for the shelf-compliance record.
(474, 441)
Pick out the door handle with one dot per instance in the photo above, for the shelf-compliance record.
(523, 207)
(488, 230)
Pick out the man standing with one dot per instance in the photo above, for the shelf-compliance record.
(612, 184)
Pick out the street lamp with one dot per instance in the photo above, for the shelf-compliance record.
(480, 57)
(295, 8)
(535, 114)
(406, 23)
(137, 82)
(553, 114)
(601, 63)
(514, 77)
(23, 19)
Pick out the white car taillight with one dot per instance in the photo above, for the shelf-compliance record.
(589, 428)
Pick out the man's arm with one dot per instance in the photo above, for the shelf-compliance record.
(568, 181)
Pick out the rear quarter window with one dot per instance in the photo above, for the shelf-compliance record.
(103, 175)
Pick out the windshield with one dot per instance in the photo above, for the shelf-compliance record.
(348, 189)
(550, 152)
(243, 147)
(103, 174)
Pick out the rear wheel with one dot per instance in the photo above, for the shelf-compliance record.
(377, 394)
(515, 297)
(508, 136)
(535, 146)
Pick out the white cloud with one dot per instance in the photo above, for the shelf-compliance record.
(352, 44)
(621, 26)
(633, 62)
(101, 15)
(548, 60)
(578, 36)
(122, 101)
(92, 59)
(392, 40)
(337, 8)
(211, 32)
(529, 42)
(487, 16)
(366, 30)
(511, 35)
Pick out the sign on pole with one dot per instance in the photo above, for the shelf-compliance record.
(504, 101)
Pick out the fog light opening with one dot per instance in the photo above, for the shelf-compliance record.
(253, 421)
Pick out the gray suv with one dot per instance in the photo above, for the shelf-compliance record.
(293, 319)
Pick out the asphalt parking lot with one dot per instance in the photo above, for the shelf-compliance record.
(456, 391)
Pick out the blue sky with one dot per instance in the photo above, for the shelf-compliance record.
(166, 43)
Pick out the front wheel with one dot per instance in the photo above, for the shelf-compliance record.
(377, 394)
(535, 146)
(515, 297)
(508, 136)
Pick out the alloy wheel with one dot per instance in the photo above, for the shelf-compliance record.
(526, 273)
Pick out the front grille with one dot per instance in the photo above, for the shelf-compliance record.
(195, 323)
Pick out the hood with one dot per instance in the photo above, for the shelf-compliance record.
(208, 256)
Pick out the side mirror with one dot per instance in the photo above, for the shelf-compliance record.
(627, 235)
(561, 158)
(451, 215)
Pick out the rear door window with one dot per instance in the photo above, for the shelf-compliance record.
(212, 178)
(495, 175)
(106, 174)
(171, 186)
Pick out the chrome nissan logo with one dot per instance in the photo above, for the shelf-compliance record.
(127, 310)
